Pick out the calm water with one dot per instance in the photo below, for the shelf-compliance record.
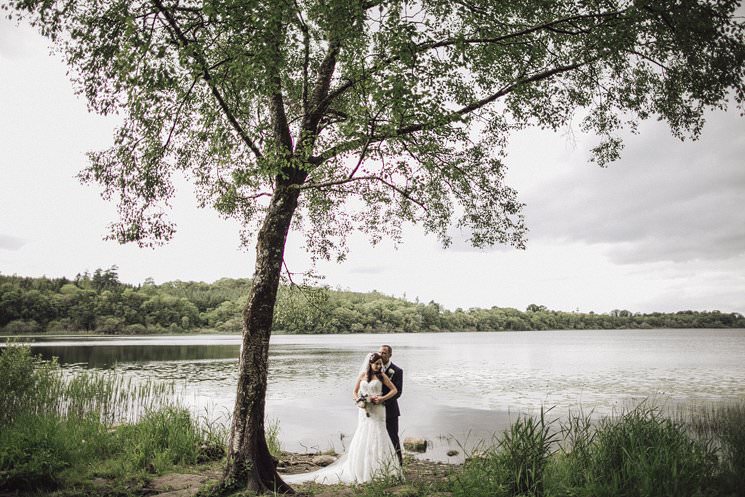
(458, 387)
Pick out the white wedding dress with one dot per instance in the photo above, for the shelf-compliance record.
(371, 453)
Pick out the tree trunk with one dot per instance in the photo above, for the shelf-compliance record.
(249, 464)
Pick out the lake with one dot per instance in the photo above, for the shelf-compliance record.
(459, 388)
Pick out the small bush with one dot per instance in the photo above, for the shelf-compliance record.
(482, 475)
(37, 449)
(28, 385)
(110, 325)
(21, 327)
(31, 454)
(63, 324)
(135, 329)
(160, 440)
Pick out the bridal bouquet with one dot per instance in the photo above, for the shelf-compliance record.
(362, 402)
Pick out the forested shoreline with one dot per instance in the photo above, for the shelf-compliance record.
(99, 302)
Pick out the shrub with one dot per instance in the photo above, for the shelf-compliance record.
(20, 327)
(32, 453)
(482, 475)
(135, 329)
(161, 439)
(109, 324)
(37, 449)
(64, 324)
(28, 385)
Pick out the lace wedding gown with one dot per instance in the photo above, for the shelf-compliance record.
(371, 453)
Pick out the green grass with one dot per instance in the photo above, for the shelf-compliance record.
(640, 453)
(645, 453)
(272, 438)
(60, 430)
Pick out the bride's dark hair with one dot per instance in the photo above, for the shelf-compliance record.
(374, 358)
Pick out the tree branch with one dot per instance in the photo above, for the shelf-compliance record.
(549, 26)
(319, 100)
(453, 116)
(390, 185)
(207, 76)
(303, 26)
(178, 113)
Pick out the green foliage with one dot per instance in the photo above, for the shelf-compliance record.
(178, 307)
(723, 424)
(55, 428)
(379, 113)
(644, 453)
(524, 452)
(272, 438)
(638, 454)
(578, 435)
(28, 385)
(36, 450)
(515, 465)
(159, 440)
(732, 436)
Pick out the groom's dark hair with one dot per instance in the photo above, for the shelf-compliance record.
(390, 349)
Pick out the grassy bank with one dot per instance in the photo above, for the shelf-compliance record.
(639, 453)
(64, 436)
(59, 432)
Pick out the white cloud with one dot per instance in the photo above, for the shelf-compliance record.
(8, 242)
(664, 200)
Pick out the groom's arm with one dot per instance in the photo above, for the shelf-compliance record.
(398, 381)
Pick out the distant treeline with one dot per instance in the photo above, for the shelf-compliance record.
(100, 302)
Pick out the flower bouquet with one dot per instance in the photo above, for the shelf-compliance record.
(362, 402)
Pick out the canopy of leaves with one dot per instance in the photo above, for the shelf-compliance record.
(393, 111)
(31, 305)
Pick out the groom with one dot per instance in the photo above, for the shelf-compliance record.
(392, 412)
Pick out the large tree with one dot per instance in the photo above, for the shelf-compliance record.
(334, 115)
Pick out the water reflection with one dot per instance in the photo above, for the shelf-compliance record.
(456, 386)
(106, 356)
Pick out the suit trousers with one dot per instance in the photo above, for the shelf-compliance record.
(391, 424)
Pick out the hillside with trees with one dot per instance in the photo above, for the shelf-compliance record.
(99, 302)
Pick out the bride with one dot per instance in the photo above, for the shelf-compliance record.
(371, 453)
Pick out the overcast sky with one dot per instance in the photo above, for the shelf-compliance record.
(663, 229)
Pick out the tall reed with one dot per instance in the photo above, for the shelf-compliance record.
(641, 452)
(272, 438)
(524, 452)
(723, 425)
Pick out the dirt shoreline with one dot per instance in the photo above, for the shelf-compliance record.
(187, 481)
(292, 463)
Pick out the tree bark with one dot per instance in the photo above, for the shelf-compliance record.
(249, 464)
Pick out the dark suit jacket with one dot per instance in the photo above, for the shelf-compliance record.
(396, 376)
